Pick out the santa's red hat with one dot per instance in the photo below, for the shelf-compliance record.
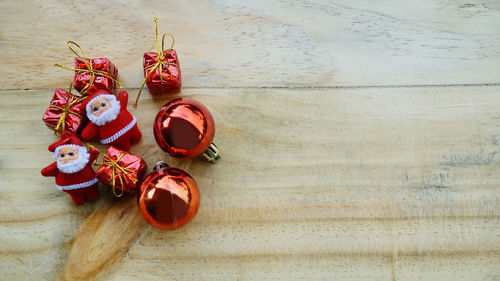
(67, 139)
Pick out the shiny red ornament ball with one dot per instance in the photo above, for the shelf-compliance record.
(168, 198)
(185, 128)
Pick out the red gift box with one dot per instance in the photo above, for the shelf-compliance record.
(162, 72)
(65, 112)
(100, 72)
(121, 170)
(105, 74)
(168, 80)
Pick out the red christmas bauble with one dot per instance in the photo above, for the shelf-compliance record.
(168, 198)
(184, 128)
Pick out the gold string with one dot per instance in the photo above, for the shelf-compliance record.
(114, 164)
(89, 69)
(160, 57)
(61, 125)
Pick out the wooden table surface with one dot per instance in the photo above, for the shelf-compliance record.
(360, 141)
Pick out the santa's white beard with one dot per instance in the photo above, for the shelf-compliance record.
(107, 116)
(75, 166)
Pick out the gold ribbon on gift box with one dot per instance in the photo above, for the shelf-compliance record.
(115, 166)
(160, 63)
(93, 72)
(61, 125)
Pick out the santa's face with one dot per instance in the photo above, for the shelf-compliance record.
(103, 109)
(67, 155)
(71, 158)
(99, 106)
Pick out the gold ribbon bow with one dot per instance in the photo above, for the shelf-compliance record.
(115, 166)
(61, 125)
(93, 72)
(160, 63)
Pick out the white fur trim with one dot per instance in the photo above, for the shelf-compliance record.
(121, 132)
(78, 185)
(78, 164)
(107, 116)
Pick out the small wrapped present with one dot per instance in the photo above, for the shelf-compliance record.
(100, 72)
(99, 66)
(120, 170)
(165, 74)
(65, 112)
(162, 72)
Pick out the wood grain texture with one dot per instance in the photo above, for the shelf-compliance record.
(223, 43)
(355, 183)
(360, 141)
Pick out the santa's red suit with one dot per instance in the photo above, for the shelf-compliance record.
(118, 128)
(80, 183)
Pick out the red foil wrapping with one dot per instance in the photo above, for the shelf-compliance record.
(65, 112)
(171, 75)
(101, 82)
(132, 169)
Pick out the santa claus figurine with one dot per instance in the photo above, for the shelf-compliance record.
(72, 169)
(110, 120)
